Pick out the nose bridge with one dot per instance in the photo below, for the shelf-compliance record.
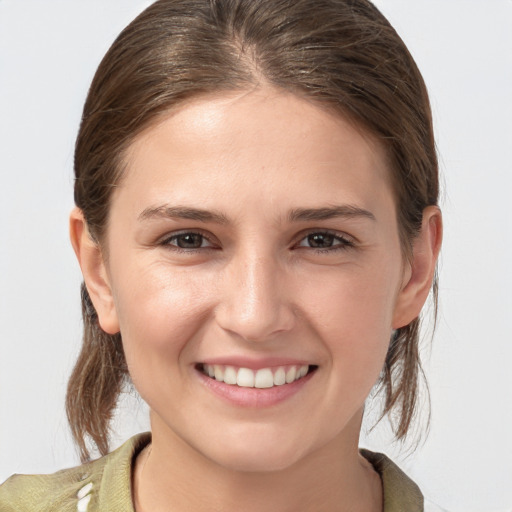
(254, 303)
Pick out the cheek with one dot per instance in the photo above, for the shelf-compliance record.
(352, 313)
(160, 313)
(356, 300)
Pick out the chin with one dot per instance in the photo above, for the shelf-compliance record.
(256, 453)
(255, 461)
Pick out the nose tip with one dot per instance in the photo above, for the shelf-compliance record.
(258, 322)
(254, 303)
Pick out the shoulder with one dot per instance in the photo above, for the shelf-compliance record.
(399, 491)
(77, 489)
(58, 491)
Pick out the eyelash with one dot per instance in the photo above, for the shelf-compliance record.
(343, 242)
(167, 242)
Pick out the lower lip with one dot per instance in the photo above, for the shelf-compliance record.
(254, 397)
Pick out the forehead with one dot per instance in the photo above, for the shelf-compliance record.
(266, 139)
(210, 116)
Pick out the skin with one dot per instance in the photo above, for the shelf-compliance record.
(255, 289)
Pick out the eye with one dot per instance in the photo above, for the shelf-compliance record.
(189, 240)
(324, 240)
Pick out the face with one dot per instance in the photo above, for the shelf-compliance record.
(255, 270)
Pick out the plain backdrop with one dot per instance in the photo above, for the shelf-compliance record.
(48, 53)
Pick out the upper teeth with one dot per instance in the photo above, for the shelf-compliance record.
(262, 378)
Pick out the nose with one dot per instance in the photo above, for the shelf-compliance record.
(253, 302)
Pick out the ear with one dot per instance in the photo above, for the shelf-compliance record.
(92, 263)
(420, 270)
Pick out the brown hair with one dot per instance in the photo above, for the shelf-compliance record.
(342, 54)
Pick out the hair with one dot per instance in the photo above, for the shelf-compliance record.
(342, 54)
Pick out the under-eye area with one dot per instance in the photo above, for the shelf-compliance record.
(261, 378)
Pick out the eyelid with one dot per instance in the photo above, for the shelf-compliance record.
(346, 240)
(326, 231)
(166, 239)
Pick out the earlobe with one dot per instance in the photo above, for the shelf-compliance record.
(91, 261)
(418, 282)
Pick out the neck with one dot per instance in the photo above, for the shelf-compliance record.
(335, 478)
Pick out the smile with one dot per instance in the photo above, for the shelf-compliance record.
(262, 378)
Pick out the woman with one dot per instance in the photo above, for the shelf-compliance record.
(256, 223)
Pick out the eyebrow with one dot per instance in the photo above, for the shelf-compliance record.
(183, 212)
(332, 212)
(295, 215)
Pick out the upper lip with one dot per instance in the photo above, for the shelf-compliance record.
(255, 364)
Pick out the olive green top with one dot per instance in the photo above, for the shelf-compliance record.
(104, 485)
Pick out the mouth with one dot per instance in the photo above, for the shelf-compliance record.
(263, 378)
